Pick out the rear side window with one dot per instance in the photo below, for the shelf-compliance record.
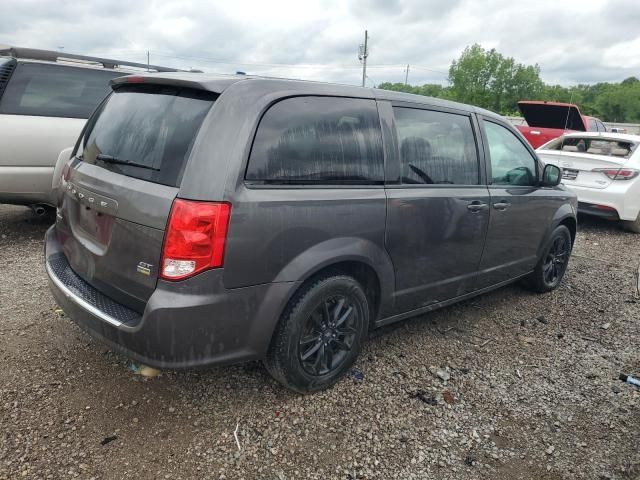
(55, 90)
(146, 132)
(318, 140)
(436, 147)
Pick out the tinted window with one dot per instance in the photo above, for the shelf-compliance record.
(153, 126)
(511, 162)
(318, 140)
(55, 90)
(436, 147)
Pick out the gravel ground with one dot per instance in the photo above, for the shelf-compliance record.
(505, 386)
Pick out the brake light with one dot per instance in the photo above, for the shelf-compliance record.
(135, 79)
(618, 173)
(195, 238)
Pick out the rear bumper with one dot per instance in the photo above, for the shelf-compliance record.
(598, 211)
(190, 323)
(623, 197)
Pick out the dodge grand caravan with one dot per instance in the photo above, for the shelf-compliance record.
(208, 219)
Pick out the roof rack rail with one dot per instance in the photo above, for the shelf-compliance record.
(53, 56)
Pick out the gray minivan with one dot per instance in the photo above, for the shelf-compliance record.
(209, 219)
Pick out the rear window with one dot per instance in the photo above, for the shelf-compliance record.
(592, 146)
(55, 90)
(318, 140)
(153, 127)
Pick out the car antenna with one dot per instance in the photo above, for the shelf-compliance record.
(566, 122)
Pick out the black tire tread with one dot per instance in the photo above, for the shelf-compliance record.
(277, 349)
(535, 281)
(632, 225)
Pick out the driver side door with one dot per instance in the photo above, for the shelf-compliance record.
(519, 209)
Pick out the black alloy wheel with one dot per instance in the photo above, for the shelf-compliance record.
(555, 262)
(328, 335)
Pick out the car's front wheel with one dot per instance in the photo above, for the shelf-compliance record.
(320, 334)
(553, 264)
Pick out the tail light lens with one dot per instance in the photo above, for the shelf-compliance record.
(618, 173)
(195, 238)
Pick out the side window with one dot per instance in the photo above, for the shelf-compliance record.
(601, 127)
(593, 126)
(436, 147)
(55, 90)
(318, 140)
(511, 162)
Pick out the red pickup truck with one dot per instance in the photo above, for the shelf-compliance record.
(549, 120)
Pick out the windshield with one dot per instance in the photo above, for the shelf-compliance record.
(592, 146)
(146, 132)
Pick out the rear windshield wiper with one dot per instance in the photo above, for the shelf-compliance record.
(109, 159)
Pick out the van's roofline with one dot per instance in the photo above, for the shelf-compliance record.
(219, 82)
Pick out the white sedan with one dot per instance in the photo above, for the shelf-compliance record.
(603, 169)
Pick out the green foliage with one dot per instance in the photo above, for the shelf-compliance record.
(488, 79)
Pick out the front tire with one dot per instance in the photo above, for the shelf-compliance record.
(319, 335)
(553, 264)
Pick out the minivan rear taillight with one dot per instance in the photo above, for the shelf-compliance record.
(194, 239)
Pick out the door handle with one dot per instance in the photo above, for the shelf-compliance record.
(501, 205)
(476, 206)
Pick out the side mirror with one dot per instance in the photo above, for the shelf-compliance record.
(551, 176)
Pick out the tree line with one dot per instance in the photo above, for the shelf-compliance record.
(488, 79)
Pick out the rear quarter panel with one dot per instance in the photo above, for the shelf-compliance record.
(282, 234)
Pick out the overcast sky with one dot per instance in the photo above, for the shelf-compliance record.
(573, 41)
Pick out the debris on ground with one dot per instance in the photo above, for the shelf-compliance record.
(143, 370)
(108, 439)
(356, 375)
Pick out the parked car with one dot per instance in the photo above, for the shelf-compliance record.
(602, 169)
(216, 219)
(549, 120)
(45, 99)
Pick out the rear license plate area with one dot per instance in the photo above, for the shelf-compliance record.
(569, 173)
(94, 224)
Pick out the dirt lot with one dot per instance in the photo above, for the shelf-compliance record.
(532, 389)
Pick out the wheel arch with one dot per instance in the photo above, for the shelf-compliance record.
(563, 216)
(361, 259)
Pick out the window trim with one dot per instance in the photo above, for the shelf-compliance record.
(489, 178)
(261, 185)
(480, 156)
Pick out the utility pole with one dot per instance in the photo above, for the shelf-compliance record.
(406, 75)
(148, 61)
(362, 55)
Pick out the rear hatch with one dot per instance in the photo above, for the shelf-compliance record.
(588, 161)
(563, 116)
(118, 191)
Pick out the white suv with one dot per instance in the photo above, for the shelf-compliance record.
(45, 99)
(603, 169)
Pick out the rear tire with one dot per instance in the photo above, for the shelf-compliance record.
(319, 335)
(552, 264)
(632, 225)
